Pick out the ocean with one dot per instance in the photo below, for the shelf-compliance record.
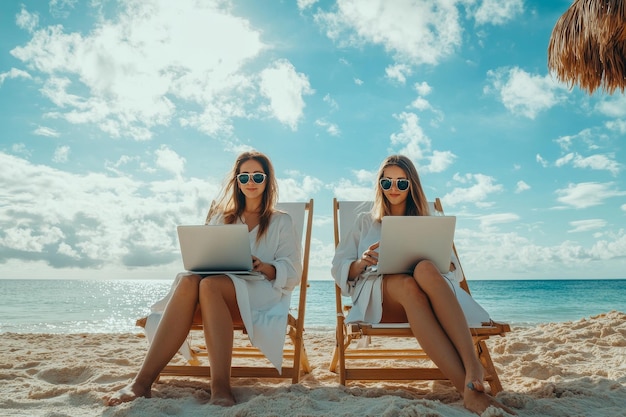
(89, 306)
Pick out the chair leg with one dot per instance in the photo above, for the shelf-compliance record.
(304, 361)
(340, 350)
(485, 359)
(335, 358)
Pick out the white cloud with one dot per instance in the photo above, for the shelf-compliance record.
(331, 102)
(61, 154)
(541, 160)
(398, 72)
(564, 160)
(597, 162)
(305, 4)
(481, 186)
(617, 125)
(298, 187)
(498, 12)
(13, 73)
(161, 60)
(358, 81)
(565, 142)
(587, 194)
(421, 104)
(331, 128)
(111, 221)
(423, 89)
(20, 149)
(523, 93)
(586, 225)
(347, 190)
(613, 107)
(123, 161)
(170, 161)
(488, 222)
(587, 137)
(26, 20)
(415, 144)
(360, 190)
(521, 186)
(412, 32)
(365, 176)
(522, 257)
(46, 131)
(58, 8)
(285, 87)
(439, 161)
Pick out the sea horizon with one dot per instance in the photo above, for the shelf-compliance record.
(113, 306)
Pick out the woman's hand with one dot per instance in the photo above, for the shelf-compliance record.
(370, 256)
(266, 269)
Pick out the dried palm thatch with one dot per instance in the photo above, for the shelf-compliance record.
(588, 45)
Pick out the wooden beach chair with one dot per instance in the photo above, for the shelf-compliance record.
(295, 360)
(355, 359)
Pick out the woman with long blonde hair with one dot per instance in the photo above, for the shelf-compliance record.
(423, 298)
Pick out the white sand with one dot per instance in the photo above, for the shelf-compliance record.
(556, 369)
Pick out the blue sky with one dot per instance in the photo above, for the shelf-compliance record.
(121, 118)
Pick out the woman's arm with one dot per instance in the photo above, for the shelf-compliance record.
(287, 253)
(346, 265)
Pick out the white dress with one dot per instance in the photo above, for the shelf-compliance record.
(263, 304)
(366, 290)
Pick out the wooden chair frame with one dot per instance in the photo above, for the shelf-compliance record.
(346, 333)
(295, 360)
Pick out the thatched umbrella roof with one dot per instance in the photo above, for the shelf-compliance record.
(588, 45)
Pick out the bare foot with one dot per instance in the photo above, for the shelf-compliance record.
(478, 401)
(222, 397)
(127, 394)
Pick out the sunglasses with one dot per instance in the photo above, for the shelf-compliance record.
(402, 184)
(257, 177)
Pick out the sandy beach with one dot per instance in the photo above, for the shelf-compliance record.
(555, 369)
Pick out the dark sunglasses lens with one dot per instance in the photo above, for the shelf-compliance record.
(402, 184)
(385, 184)
(258, 178)
(243, 178)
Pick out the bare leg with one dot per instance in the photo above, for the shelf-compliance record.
(170, 335)
(218, 303)
(403, 300)
(439, 325)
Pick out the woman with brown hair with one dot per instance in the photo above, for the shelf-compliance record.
(249, 197)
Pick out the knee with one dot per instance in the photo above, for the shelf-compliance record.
(187, 284)
(425, 268)
(412, 292)
(427, 275)
(212, 285)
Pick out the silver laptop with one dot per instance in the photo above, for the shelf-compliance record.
(216, 249)
(406, 240)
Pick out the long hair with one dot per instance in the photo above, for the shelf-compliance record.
(416, 202)
(232, 202)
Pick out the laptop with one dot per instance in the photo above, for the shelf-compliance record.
(216, 249)
(406, 240)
